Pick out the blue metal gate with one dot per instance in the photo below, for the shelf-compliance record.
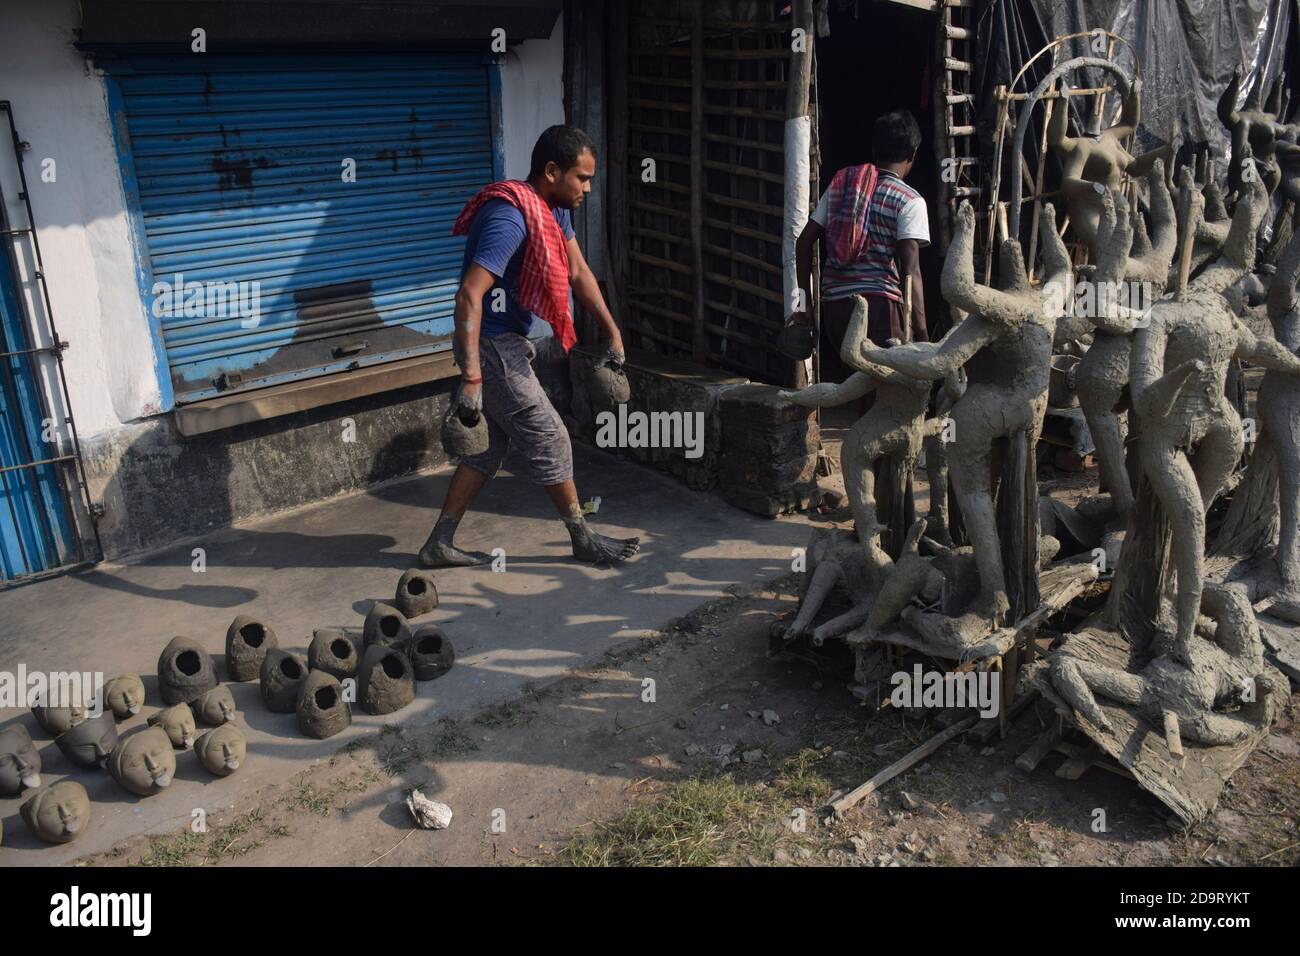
(328, 181)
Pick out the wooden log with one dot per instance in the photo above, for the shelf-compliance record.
(1078, 765)
(1173, 737)
(858, 794)
(1040, 748)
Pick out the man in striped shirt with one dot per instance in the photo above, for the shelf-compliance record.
(874, 224)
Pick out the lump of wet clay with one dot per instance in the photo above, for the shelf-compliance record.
(90, 742)
(386, 681)
(282, 675)
(217, 706)
(222, 750)
(416, 593)
(385, 625)
(431, 652)
(177, 722)
(20, 761)
(124, 695)
(185, 671)
(322, 711)
(144, 762)
(57, 814)
(59, 720)
(333, 652)
(247, 641)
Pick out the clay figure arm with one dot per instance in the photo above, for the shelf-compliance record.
(958, 282)
(934, 360)
(1153, 267)
(1238, 256)
(1227, 106)
(828, 394)
(1058, 127)
(1265, 351)
(1130, 116)
(1154, 390)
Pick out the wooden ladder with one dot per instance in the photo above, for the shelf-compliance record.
(959, 169)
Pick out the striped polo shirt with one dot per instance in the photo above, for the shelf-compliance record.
(896, 211)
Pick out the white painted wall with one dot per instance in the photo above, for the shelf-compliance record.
(60, 108)
(532, 96)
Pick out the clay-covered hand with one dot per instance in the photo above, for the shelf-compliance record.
(612, 357)
(469, 402)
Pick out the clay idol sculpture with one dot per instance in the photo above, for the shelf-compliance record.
(144, 762)
(222, 750)
(177, 722)
(385, 625)
(282, 675)
(90, 743)
(431, 652)
(334, 652)
(57, 814)
(59, 720)
(185, 671)
(217, 706)
(322, 711)
(1190, 438)
(20, 761)
(385, 681)
(124, 695)
(247, 641)
(416, 593)
(1255, 127)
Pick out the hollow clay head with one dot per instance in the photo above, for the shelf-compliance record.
(124, 695)
(385, 625)
(247, 641)
(217, 706)
(322, 711)
(608, 388)
(796, 341)
(222, 749)
(431, 652)
(385, 681)
(416, 593)
(334, 652)
(143, 762)
(185, 671)
(177, 722)
(90, 743)
(463, 437)
(282, 675)
(59, 720)
(57, 814)
(20, 761)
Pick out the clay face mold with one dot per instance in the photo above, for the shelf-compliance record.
(247, 641)
(416, 593)
(385, 625)
(20, 761)
(322, 711)
(431, 652)
(124, 695)
(385, 680)
(144, 762)
(222, 750)
(185, 671)
(177, 722)
(57, 814)
(334, 652)
(59, 720)
(217, 706)
(282, 675)
(90, 743)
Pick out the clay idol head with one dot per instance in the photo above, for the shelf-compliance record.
(57, 814)
(217, 706)
(322, 711)
(144, 762)
(334, 652)
(185, 671)
(281, 677)
(222, 749)
(385, 680)
(385, 625)
(20, 761)
(177, 722)
(124, 695)
(431, 652)
(247, 641)
(59, 720)
(416, 593)
(90, 743)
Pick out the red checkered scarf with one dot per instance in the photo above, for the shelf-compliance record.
(848, 199)
(544, 278)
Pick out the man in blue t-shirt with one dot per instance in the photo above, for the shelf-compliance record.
(495, 355)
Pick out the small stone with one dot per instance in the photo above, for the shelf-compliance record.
(910, 800)
(1279, 744)
(725, 707)
(693, 749)
(839, 755)
(1003, 859)
(928, 854)
(755, 714)
(997, 796)
(988, 751)
(618, 766)
(680, 723)
(771, 718)
(723, 750)
(803, 852)
(752, 756)
(859, 845)
(753, 683)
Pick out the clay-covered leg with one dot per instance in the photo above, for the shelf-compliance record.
(866, 441)
(1076, 680)
(1279, 407)
(975, 419)
(1216, 457)
(1174, 483)
(822, 581)
(936, 473)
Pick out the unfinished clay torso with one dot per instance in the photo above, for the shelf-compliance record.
(1199, 326)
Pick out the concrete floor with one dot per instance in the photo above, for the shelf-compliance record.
(325, 565)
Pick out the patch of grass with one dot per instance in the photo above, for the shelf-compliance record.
(176, 850)
(396, 759)
(305, 796)
(697, 822)
(798, 780)
(510, 714)
(452, 742)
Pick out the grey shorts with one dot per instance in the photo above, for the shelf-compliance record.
(521, 420)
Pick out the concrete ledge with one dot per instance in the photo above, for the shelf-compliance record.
(260, 404)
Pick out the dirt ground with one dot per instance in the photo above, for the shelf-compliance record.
(728, 757)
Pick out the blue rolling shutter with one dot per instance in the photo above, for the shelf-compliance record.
(239, 164)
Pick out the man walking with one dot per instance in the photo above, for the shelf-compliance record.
(874, 225)
(521, 259)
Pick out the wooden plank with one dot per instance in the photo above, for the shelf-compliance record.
(1078, 765)
(1043, 745)
(858, 794)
